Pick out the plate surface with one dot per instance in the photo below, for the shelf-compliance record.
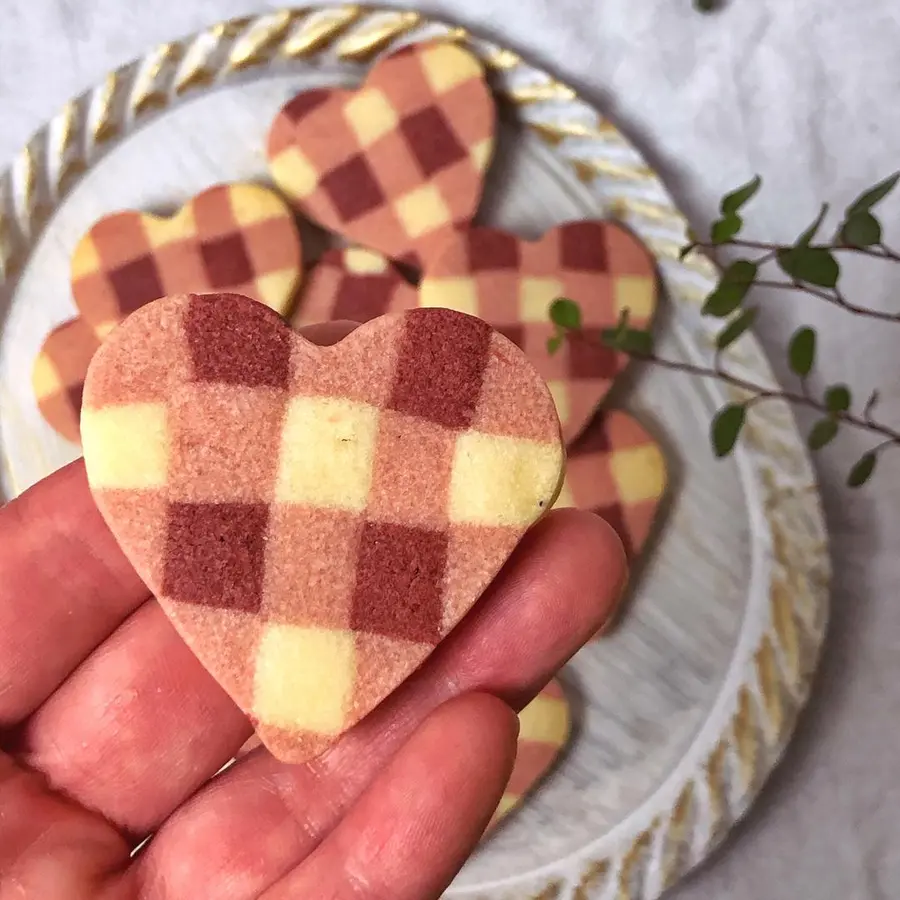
(681, 714)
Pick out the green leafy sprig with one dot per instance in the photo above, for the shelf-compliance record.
(808, 265)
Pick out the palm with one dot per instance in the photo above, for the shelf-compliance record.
(112, 730)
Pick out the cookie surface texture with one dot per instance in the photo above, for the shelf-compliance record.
(544, 729)
(511, 283)
(315, 520)
(238, 238)
(398, 164)
(617, 470)
(352, 284)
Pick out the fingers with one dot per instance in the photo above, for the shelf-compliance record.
(259, 819)
(413, 829)
(64, 587)
(137, 728)
(48, 846)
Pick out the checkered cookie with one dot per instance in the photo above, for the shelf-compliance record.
(397, 165)
(59, 372)
(617, 470)
(544, 727)
(236, 237)
(353, 284)
(315, 520)
(511, 283)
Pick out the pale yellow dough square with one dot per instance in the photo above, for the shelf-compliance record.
(304, 678)
(535, 297)
(327, 453)
(459, 293)
(371, 116)
(544, 719)
(45, 378)
(639, 473)
(126, 447)
(422, 211)
(276, 289)
(294, 173)
(502, 481)
(447, 66)
(251, 204)
(635, 293)
(161, 232)
(360, 261)
(85, 259)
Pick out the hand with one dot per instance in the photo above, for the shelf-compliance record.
(112, 729)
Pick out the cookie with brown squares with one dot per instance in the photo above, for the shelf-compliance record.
(353, 284)
(411, 458)
(397, 165)
(238, 238)
(544, 729)
(617, 469)
(511, 283)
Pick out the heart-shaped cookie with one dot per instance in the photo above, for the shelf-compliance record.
(397, 165)
(617, 470)
(511, 283)
(238, 238)
(59, 372)
(315, 520)
(544, 728)
(355, 284)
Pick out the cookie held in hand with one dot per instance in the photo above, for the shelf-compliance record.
(397, 165)
(511, 284)
(315, 520)
(231, 238)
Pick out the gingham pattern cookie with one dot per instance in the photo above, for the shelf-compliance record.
(231, 238)
(511, 283)
(315, 520)
(544, 728)
(397, 165)
(59, 372)
(617, 470)
(354, 284)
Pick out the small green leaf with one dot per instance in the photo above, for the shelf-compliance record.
(726, 228)
(732, 203)
(806, 238)
(838, 398)
(707, 6)
(736, 281)
(862, 471)
(728, 335)
(636, 343)
(726, 428)
(866, 200)
(686, 251)
(554, 343)
(823, 432)
(802, 351)
(565, 314)
(813, 265)
(861, 230)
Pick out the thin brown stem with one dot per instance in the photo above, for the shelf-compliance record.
(760, 393)
(876, 251)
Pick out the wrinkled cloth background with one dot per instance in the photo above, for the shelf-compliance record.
(806, 94)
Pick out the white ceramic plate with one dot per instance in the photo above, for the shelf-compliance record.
(685, 710)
